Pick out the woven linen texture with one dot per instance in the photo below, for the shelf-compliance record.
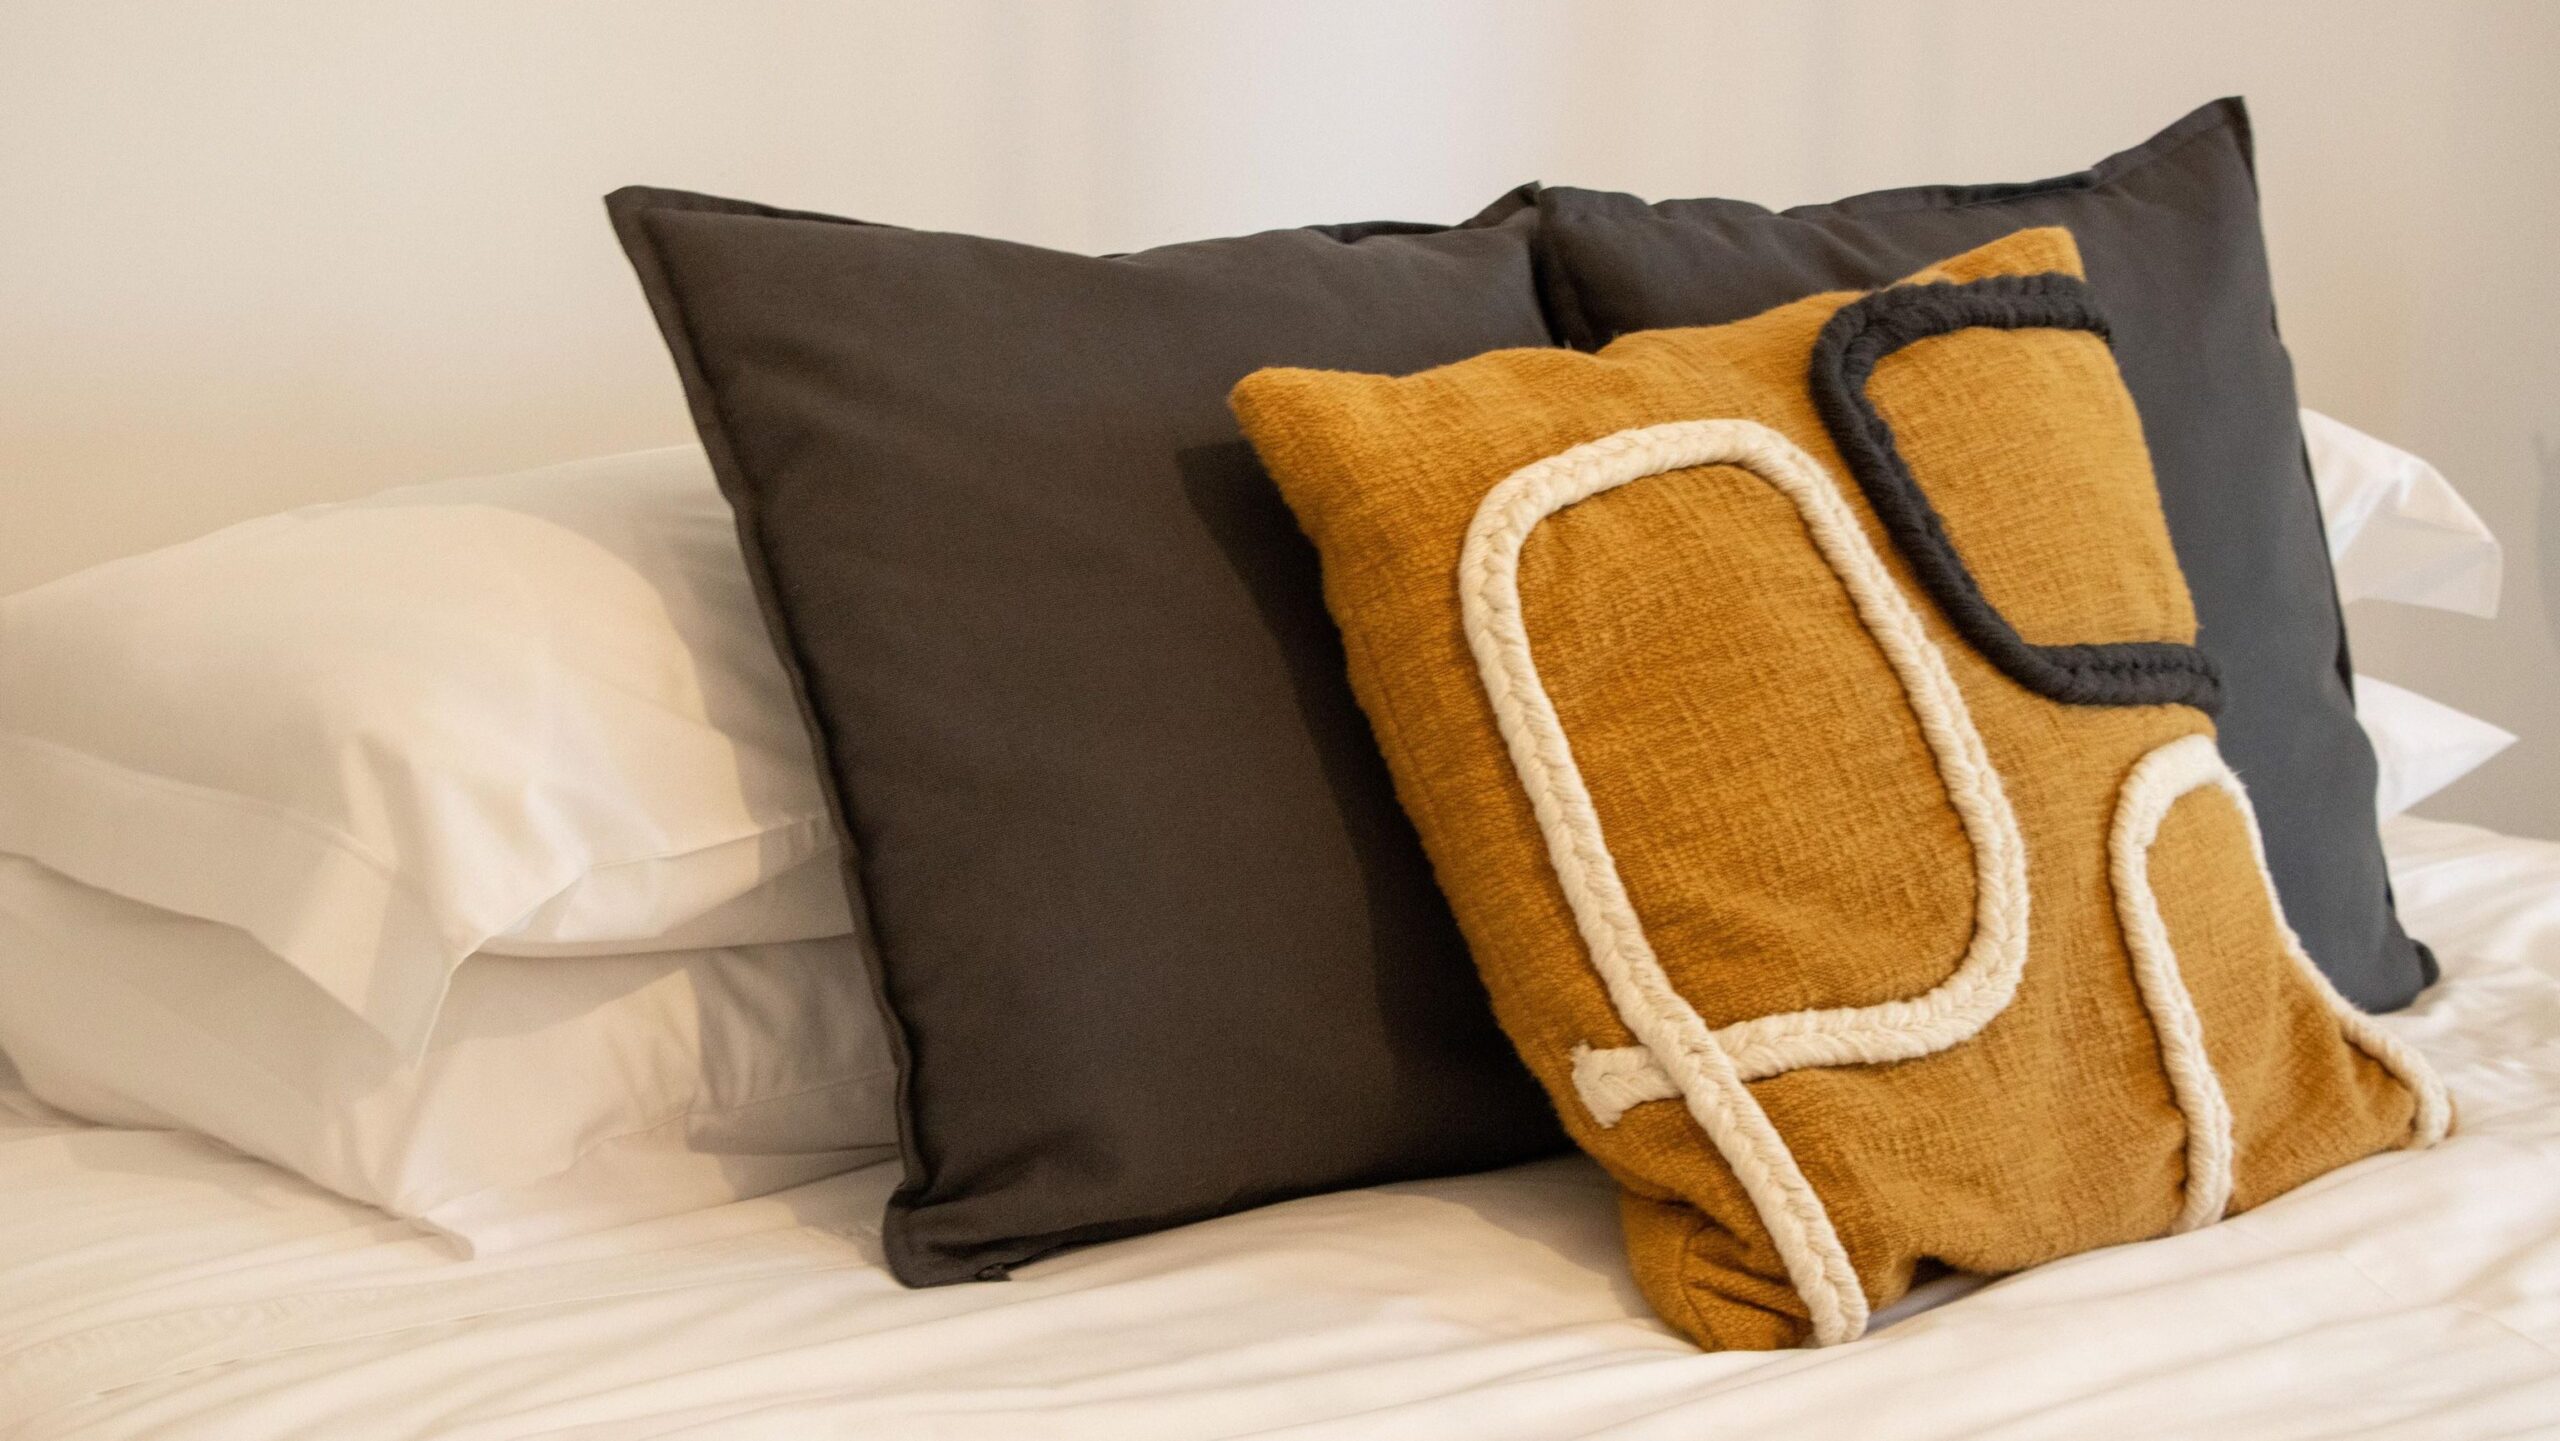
(1780, 826)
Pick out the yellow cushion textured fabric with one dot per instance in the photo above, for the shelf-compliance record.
(1861, 905)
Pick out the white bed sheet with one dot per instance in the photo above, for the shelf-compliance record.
(152, 1285)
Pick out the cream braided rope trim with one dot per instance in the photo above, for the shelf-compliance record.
(2156, 784)
(1708, 1069)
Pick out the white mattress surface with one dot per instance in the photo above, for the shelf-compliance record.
(153, 1285)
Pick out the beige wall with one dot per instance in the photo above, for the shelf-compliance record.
(254, 254)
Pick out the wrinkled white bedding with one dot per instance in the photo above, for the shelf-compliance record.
(151, 1285)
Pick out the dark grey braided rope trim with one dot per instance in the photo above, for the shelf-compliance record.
(1860, 336)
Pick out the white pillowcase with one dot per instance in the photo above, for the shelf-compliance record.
(2399, 531)
(534, 714)
(554, 1096)
(2421, 745)
(2397, 528)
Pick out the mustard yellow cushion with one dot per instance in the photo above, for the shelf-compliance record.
(1804, 719)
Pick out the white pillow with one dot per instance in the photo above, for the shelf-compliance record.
(555, 1096)
(2399, 531)
(2397, 528)
(531, 714)
(2422, 745)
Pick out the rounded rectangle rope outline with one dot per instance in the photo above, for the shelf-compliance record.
(1709, 1068)
(1678, 1055)
(1853, 343)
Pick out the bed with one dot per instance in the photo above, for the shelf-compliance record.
(154, 1284)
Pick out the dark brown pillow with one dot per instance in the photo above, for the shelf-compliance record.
(2170, 233)
(1153, 934)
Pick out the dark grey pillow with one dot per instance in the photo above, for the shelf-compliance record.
(1154, 939)
(2169, 231)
